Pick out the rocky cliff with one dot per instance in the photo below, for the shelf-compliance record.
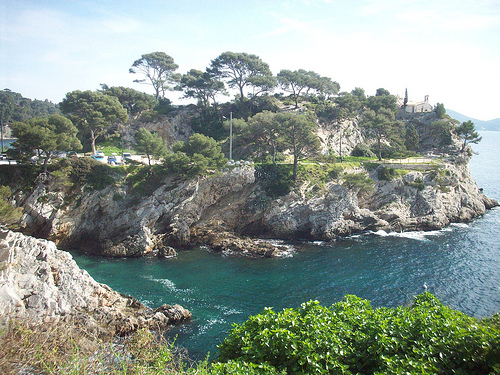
(38, 282)
(231, 212)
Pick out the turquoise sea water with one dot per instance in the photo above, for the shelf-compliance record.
(460, 264)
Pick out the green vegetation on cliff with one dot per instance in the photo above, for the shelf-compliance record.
(351, 337)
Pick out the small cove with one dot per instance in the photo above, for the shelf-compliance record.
(460, 264)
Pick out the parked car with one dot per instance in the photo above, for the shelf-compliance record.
(98, 156)
(72, 154)
(58, 154)
(126, 157)
(112, 160)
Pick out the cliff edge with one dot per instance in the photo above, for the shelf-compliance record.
(40, 283)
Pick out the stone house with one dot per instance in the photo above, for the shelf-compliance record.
(416, 106)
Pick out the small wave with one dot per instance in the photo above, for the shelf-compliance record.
(319, 243)
(414, 235)
(288, 251)
(459, 225)
(168, 284)
(209, 324)
(228, 310)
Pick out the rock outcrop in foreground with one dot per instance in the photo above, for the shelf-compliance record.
(38, 282)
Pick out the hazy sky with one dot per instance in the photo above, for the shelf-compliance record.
(449, 50)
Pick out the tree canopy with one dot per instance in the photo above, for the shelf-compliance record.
(158, 69)
(468, 134)
(44, 135)
(150, 143)
(196, 156)
(93, 112)
(202, 86)
(381, 125)
(298, 134)
(132, 100)
(242, 70)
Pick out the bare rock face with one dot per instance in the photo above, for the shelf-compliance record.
(40, 282)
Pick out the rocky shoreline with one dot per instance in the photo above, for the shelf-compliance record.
(229, 211)
(40, 283)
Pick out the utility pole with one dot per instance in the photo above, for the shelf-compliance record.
(1, 131)
(230, 136)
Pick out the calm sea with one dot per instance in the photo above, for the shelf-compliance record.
(460, 264)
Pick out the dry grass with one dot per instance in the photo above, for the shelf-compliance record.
(69, 348)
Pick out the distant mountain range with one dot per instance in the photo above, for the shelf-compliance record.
(480, 124)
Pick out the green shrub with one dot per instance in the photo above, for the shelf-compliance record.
(417, 184)
(8, 213)
(362, 150)
(358, 181)
(197, 156)
(144, 181)
(19, 176)
(85, 171)
(276, 180)
(351, 337)
(386, 173)
(243, 368)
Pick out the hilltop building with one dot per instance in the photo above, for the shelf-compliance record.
(416, 106)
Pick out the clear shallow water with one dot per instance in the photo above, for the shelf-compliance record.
(460, 264)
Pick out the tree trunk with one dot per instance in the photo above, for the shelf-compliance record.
(295, 162)
(379, 150)
(273, 143)
(93, 137)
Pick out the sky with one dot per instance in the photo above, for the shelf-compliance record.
(447, 49)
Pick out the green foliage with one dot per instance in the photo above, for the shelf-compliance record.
(243, 368)
(358, 181)
(243, 70)
(158, 70)
(276, 180)
(382, 126)
(417, 184)
(468, 134)
(351, 337)
(150, 143)
(86, 171)
(132, 100)
(411, 138)
(386, 173)
(14, 107)
(441, 130)
(440, 110)
(143, 181)
(298, 134)
(44, 135)
(383, 99)
(263, 133)
(20, 176)
(92, 112)
(202, 86)
(197, 156)
(362, 150)
(299, 81)
(8, 213)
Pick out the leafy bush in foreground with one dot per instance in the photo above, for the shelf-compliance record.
(351, 337)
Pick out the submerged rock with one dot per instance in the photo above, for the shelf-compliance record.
(38, 282)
